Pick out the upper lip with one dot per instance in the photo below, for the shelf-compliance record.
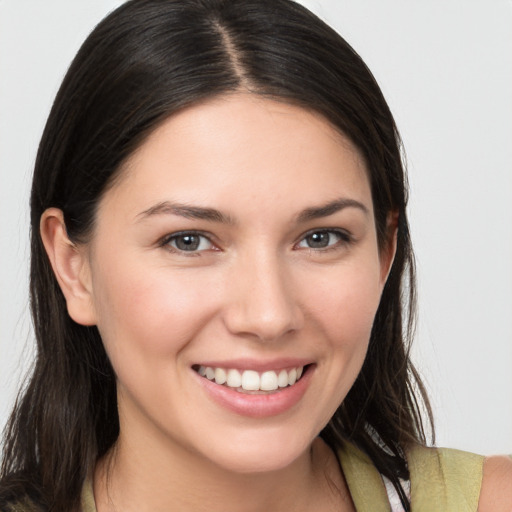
(257, 365)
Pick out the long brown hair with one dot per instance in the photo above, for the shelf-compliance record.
(144, 62)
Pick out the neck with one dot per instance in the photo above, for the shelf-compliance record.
(156, 480)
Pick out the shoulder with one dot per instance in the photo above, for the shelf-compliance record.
(445, 465)
(444, 478)
(496, 492)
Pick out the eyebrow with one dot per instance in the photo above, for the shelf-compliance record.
(332, 207)
(186, 211)
(214, 215)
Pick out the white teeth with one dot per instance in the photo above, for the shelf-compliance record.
(268, 381)
(234, 379)
(220, 376)
(250, 380)
(282, 380)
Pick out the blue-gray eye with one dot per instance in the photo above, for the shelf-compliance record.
(321, 239)
(189, 242)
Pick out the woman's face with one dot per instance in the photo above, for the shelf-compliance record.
(238, 244)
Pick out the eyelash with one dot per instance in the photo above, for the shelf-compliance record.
(344, 239)
(167, 240)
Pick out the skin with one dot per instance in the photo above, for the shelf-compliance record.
(496, 492)
(252, 291)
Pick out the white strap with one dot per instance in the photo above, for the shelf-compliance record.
(394, 499)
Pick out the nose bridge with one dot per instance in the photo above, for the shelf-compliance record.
(263, 303)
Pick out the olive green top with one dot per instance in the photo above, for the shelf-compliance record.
(442, 480)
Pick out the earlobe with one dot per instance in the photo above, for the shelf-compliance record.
(70, 266)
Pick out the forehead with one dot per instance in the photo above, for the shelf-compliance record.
(242, 150)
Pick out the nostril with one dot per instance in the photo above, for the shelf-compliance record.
(264, 326)
(263, 303)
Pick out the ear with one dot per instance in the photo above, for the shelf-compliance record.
(70, 266)
(388, 251)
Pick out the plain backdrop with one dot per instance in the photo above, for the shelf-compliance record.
(445, 67)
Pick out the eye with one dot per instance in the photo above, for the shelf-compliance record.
(188, 242)
(323, 239)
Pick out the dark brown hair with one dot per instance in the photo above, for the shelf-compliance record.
(144, 62)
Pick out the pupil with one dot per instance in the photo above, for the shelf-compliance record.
(317, 240)
(187, 242)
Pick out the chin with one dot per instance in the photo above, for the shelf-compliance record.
(261, 453)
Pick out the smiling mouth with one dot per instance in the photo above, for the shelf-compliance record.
(250, 381)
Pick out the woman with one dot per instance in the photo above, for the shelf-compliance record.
(219, 251)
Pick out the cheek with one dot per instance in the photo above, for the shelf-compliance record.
(342, 308)
(154, 316)
(345, 304)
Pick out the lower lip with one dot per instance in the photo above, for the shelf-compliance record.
(258, 406)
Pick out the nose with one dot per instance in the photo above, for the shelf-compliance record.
(262, 301)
